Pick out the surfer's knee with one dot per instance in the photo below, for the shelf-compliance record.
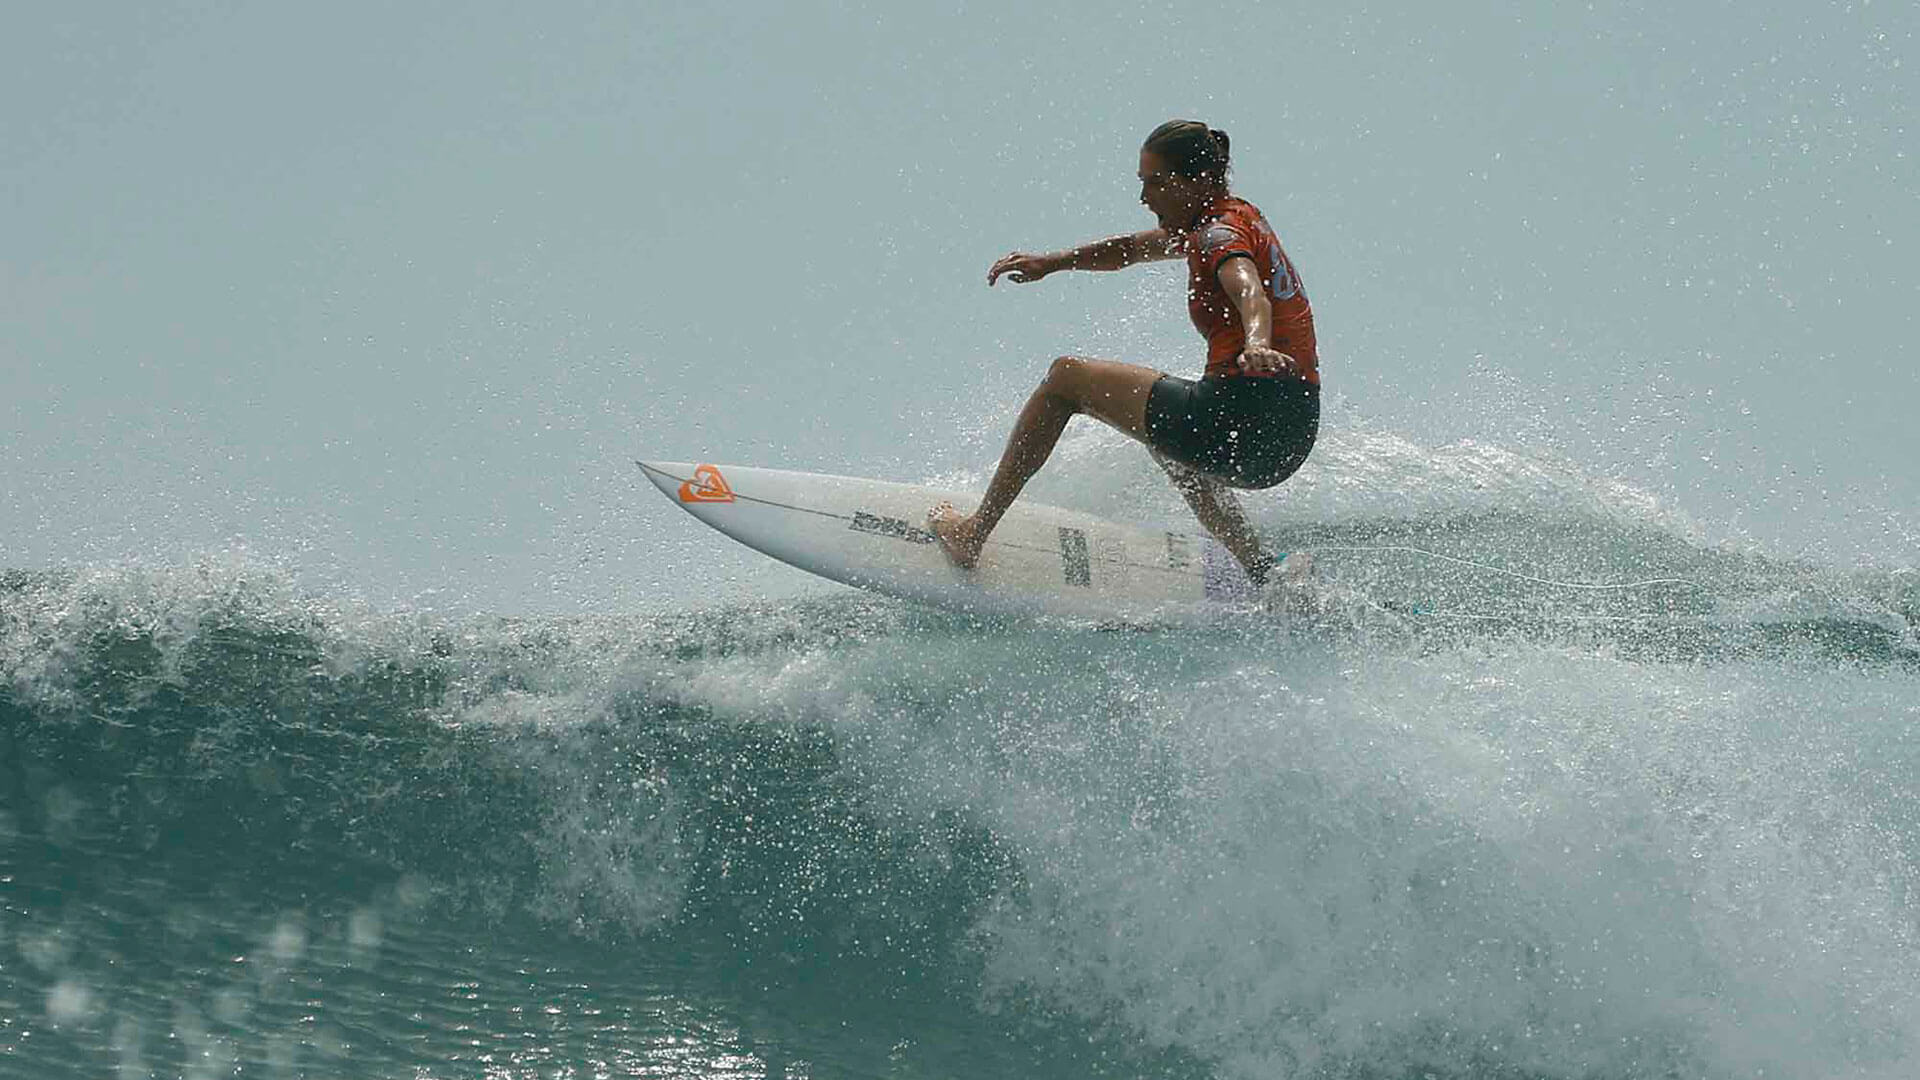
(1065, 371)
(1066, 378)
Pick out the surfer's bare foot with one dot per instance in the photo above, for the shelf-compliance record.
(957, 535)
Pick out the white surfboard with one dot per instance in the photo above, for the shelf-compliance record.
(1039, 560)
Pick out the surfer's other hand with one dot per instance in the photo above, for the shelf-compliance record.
(1260, 360)
(1022, 266)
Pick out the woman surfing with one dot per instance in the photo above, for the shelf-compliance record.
(1247, 422)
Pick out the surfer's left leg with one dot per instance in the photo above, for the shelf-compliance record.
(1220, 514)
(1214, 434)
(1111, 392)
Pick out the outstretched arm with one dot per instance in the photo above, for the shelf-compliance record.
(1113, 253)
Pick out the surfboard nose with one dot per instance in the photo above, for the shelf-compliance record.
(693, 486)
(667, 475)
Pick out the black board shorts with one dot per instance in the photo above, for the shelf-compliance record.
(1249, 431)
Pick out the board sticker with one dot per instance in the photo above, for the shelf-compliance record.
(1179, 551)
(707, 486)
(1073, 556)
(882, 525)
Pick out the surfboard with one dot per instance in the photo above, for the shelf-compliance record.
(1040, 560)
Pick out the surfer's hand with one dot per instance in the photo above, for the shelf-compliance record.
(1260, 360)
(1022, 267)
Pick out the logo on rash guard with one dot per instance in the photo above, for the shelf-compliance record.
(1217, 239)
(1285, 285)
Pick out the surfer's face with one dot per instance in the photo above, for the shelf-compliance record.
(1174, 199)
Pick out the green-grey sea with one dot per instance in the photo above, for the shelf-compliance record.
(1460, 819)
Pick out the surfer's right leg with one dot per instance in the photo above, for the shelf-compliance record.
(1111, 392)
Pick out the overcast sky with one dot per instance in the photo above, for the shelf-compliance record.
(394, 293)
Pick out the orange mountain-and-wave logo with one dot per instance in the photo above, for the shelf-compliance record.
(707, 486)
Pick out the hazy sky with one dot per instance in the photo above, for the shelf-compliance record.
(395, 292)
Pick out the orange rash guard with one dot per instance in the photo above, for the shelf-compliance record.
(1235, 228)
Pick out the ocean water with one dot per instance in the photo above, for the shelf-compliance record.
(1543, 784)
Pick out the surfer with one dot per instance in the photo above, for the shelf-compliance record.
(1247, 422)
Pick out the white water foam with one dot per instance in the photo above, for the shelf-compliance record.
(1514, 856)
